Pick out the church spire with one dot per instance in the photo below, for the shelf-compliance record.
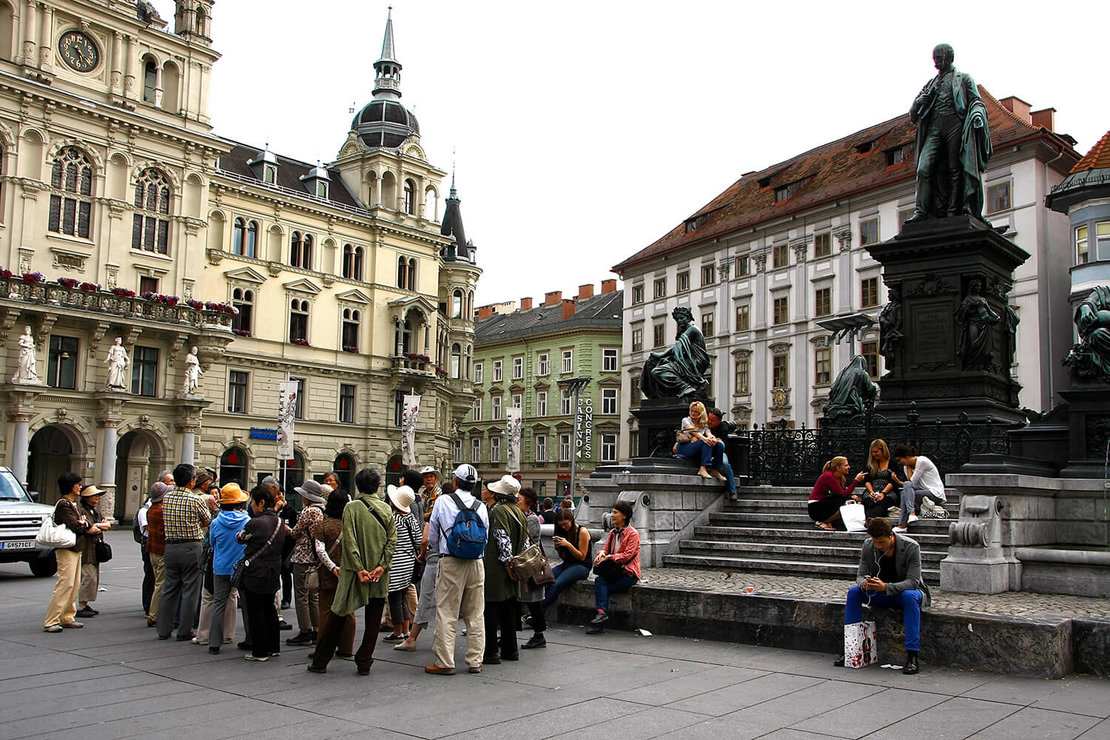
(387, 70)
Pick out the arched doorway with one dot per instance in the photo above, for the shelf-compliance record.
(393, 470)
(344, 469)
(140, 457)
(293, 471)
(52, 450)
(233, 467)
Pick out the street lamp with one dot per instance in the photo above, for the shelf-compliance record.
(575, 386)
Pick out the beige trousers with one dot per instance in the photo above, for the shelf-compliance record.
(460, 592)
(90, 582)
(158, 563)
(204, 625)
(61, 609)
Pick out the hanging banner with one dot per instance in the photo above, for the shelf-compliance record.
(409, 414)
(287, 412)
(584, 429)
(512, 434)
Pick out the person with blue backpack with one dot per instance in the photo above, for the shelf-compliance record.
(458, 530)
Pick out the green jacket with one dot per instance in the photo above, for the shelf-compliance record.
(506, 518)
(369, 539)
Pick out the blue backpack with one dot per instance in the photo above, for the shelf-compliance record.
(468, 535)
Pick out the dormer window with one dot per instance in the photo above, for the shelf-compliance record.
(265, 166)
(318, 181)
(321, 189)
(865, 147)
(269, 174)
(764, 182)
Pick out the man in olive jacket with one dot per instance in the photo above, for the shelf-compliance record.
(369, 538)
(508, 535)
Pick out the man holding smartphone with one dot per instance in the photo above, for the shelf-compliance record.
(889, 575)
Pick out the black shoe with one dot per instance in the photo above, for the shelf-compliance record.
(537, 641)
(394, 638)
(244, 645)
(283, 625)
(364, 670)
(595, 629)
(304, 638)
(839, 662)
(514, 656)
(491, 660)
(164, 637)
(285, 605)
(213, 651)
(317, 669)
(601, 618)
(910, 669)
(87, 612)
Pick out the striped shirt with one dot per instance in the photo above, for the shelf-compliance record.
(184, 516)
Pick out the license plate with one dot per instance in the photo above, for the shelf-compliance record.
(18, 545)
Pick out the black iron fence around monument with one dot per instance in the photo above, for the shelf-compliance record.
(779, 455)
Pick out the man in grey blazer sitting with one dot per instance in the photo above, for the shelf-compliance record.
(889, 574)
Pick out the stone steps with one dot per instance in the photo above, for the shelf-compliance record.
(794, 520)
(804, 536)
(795, 567)
(826, 553)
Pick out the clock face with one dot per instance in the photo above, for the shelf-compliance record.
(79, 51)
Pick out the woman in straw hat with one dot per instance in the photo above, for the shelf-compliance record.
(404, 559)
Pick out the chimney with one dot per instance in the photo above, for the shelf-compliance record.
(568, 309)
(525, 304)
(1045, 118)
(608, 286)
(484, 312)
(552, 298)
(1018, 107)
(585, 291)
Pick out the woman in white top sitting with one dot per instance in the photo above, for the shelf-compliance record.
(922, 481)
(704, 448)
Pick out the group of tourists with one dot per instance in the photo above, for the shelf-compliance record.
(423, 556)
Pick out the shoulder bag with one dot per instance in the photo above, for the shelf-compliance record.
(244, 562)
(683, 436)
(55, 535)
(608, 568)
(103, 551)
(531, 564)
(417, 566)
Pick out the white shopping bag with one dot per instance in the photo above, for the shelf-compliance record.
(860, 646)
(853, 516)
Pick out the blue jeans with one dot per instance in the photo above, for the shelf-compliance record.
(602, 589)
(908, 601)
(912, 496)
(565, 574)
(710, 457)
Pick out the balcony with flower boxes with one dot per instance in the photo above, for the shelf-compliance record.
(413, 364)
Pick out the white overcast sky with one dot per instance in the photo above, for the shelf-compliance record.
(585, 130)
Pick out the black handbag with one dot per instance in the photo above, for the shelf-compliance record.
(608, 569)
(417, 565)
(103, 551)
(244, 562)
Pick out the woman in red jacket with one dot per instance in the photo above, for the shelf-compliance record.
(621, 556)
(830, 493)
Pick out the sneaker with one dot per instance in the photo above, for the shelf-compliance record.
(913, 518)
(87, 611)
(72, 625)
(304, 638)
(839, 662)
(537, 641)
(474, 669)
(395, 638)
(408, 646)
(601, 618)
(901, 529)
(894, 511)
(256, 658)
(52, 628)
(439, 670)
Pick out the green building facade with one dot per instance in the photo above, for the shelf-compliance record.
(520, 357)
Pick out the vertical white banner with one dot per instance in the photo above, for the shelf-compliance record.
(512, 436)
(584, 429)
(287, 412)
(409, 415)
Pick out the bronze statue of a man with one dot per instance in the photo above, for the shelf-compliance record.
(679, 370)
(953, 142)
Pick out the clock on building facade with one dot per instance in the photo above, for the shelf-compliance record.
(79, 51)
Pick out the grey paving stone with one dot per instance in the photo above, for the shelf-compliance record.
(642, 723)
(855, 719)
(583, 714)
(729, 699)
(1038, 723)
(1088, 695)
(954, 718)
(695, 684)
(1101, 731)
(1014, 690)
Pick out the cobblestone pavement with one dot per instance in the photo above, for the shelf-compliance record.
(1010, 603)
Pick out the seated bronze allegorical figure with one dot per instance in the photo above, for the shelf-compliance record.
(1091, 357)
(680, 370)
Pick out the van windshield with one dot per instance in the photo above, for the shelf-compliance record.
(10, 489)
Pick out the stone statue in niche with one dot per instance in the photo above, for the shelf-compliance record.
(26, 371)
(192, 374)
(891, 330)
(974, 317)
(680, 370)
(853, 393)
(953, 142)
(1091, 357)
(117, 361)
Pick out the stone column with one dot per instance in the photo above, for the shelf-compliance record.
(21, 445)
(116, 79)
(108, 419)
(30, 34)
(129, 67)
(188, 446)
(46, 35)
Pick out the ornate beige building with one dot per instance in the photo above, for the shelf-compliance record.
(141, 224)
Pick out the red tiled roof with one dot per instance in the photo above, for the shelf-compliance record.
(1098, 158)
(830, 172)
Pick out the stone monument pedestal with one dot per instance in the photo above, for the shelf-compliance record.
(932, 264)
(659, 420)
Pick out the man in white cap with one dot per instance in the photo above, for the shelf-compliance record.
(460, 582)
(430, 490)
(306, 585)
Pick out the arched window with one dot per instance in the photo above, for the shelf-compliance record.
(244, 301)
(293, 474)
(456, 360)
(352, 262)
(202, 22)
(171, 86)
(151, 229)
(7, 26)
(468, 357)
(410, 197)
(456, 304)
(300, 250)
(252, 240)
(233, 467)
(150, 80)
(351, 318)
(402, 272)
(411, 284)
(298, 321)
(344, 469)
(431, 205)
(71, 210)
